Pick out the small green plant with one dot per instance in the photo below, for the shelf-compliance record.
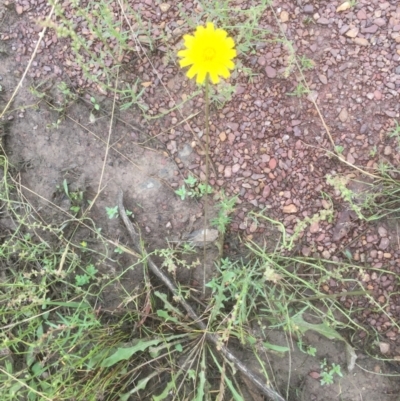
(54, 125)
(395, 133)
(119, 250)
(182, 192)
(340, 184)
(193, 188)
(328, 373)
(38, 91)
(112, 212)
(76, 197)
(225, 208)
(308, 20)
(222, 93)
(306, 63)
(66, 92)
(131, 96)
(307, 349)
(288, 242)
(299, 91)
(172, 258)
(87, 277)
(96, 106)
(58, 97)
(339, 149)
(61, 97)
(373, 151)
(247, 71)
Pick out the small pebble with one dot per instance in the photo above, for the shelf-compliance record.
(270, 71)
(289, 208)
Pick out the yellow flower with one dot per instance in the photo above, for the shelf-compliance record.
(209, 51)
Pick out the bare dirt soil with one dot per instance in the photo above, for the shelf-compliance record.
(266, 146)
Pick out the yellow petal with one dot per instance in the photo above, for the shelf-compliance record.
(210, 27)
(229, 64)
(188, 39)
(224, 72)
(201, 76)
(185, 62)
(221, 34)
(229, 43)
(182, 53)
(214, 77)
(192, 71)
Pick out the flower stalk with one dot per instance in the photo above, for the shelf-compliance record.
(208, 53)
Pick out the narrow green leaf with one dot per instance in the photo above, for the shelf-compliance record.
(202, 379)
(69, 304)
(277, 348)
(167, 389)
(123, 354)
(65, 186)
(235, 394)
(168, 305)
(30, 356)
(141, 386)
(321, 328)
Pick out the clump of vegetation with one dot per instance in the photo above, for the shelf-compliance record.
(58, 342)
(193, 188)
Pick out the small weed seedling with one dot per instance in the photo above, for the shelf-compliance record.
(308, 20)
(96, 106)
(395, 133)
(67, 93)
(373, 151)
(76, 197)
(89, 275)
(327, 374)
(306, 63)
(193, 189)
(119, 250)
(221, 94)
(299, 91)
(173, 258)
(225, 208)
(339, 149)
(307, 349)
(131, 96)
(112, 212)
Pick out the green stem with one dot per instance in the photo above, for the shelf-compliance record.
(207, 114)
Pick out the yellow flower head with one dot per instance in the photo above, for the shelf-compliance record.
(209, 51)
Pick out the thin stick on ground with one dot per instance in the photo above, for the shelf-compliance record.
(108, 138)
(210, 337)
(41, 36)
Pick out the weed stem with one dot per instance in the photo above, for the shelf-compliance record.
(207, 124)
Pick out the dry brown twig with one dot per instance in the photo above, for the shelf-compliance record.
(210, 337)
(40, 39)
